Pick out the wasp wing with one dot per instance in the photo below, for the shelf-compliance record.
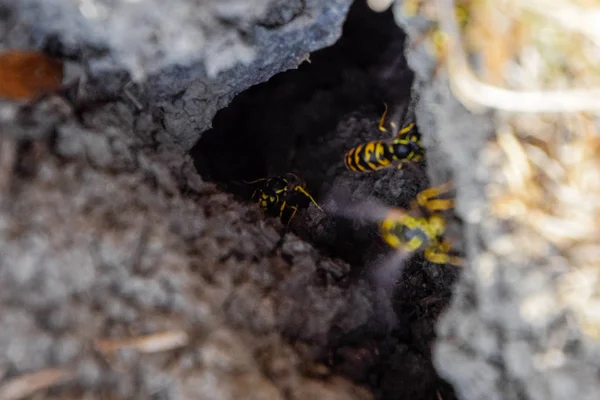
(339, 202)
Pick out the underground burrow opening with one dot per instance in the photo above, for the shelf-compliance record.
(303, 121)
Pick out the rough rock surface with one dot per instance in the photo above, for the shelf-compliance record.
(505, 334)
(184, 59)
(99, 243)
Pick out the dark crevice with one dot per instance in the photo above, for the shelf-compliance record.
(295, 123)
(303, 121)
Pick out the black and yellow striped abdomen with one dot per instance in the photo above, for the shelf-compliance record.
(376, 155)
(369, 156)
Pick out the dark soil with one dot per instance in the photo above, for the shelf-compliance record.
(303, 121)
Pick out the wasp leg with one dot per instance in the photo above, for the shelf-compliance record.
(410, 164)
(282, 208)
(304, 192)
(438, 204)
(293, 214)
(424, 198)
(452, 260)
(439, 254)
(415, 159)
(419, 156)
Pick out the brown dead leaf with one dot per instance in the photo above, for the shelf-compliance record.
(27, 74)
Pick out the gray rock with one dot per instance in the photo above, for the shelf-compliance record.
(93, 249)
(190, 58)
(485, 347)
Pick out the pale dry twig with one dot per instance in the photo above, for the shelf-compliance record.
(478, 95)
(152, 343)
(26, 385)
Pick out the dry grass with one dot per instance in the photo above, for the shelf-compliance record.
(539, 67)
(28, 384)
(552, 175)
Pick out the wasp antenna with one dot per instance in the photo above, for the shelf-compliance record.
(293, 174)
(382, 119)
(427, 197)
(293, 215)
(254, 181)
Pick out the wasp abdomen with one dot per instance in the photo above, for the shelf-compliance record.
(370, 156)
(380, 154)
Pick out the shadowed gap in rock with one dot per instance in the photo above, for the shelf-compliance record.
(303, 121)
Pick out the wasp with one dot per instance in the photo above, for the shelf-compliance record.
(380, 154)
(281, 194)
(422, 227)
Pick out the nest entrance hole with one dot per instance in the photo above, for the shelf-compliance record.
(303, 121)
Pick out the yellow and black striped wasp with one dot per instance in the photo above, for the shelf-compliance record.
(281, 193)
(380, 154)
(422, 227)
